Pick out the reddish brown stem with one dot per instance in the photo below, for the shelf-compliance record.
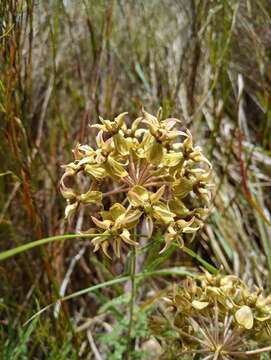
(116, 191)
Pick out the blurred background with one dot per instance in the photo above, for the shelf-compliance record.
(63, 63)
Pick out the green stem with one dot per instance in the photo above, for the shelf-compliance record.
(132, 303)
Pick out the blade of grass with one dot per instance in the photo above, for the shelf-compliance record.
(208, 266)
(12, 252)
(164, 272)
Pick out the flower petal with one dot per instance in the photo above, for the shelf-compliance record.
(138, 195)
(244, 317)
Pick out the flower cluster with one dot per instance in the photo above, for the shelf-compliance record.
(147, 173)
(214, 314)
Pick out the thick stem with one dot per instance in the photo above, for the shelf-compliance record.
(130, 346)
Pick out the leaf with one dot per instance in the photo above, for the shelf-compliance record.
(12, 252)
(208, 266)
(180, 271)
(119, 300)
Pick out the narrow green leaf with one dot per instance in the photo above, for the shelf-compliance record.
(164, 272)
(9, 253)
(208, 266)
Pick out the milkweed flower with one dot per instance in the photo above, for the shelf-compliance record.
(149, 172)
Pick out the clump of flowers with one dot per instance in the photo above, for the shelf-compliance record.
(216, 316)
(147, 173)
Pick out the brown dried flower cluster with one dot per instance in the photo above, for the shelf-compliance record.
(216, 316)
(148, 173)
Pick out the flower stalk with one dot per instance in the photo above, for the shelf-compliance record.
(130, 341)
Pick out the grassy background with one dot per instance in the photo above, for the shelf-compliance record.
(62, 64)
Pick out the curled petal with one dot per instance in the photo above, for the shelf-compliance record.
(138, 195)
(119, 120)
(91, 197)
(117, 246)
(182, 187)
(97, 241)
(166, 246)
(179, 208)
(199, 305)
(68, 193)
(172, 159)
(99, 139)
(116, 211)
(86, 149)
(121, 144)
(161, 212)
(105, 245)
(188, 143)
(98, 126)
(170, 123)
(95, 171)
(155, 152)
(149, 226)
(105, 224)
(126, 237)
(172, 135)
(71, 168)
(135, 124)
(129, 219)
(155, 197)
(70, 210)
(150, 119)
(190, 230)
(114, 168)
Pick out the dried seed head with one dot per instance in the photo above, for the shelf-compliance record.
(212, 315)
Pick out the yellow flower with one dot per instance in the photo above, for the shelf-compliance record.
(175, 231)
(151, 204)
(116, 224)
(151, 167)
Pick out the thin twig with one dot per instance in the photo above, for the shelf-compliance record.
(93, 346)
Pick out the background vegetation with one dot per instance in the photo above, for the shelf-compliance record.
(63, 63)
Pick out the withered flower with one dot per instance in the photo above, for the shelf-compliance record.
(217, 316)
